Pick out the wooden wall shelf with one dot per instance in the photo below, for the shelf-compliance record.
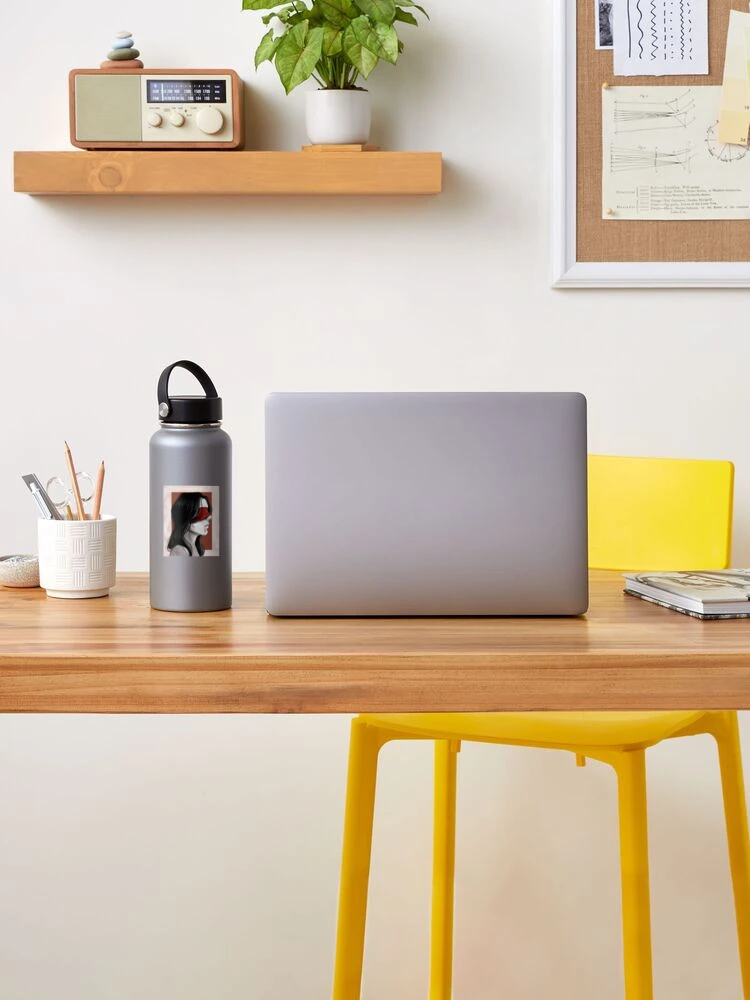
(119, 172)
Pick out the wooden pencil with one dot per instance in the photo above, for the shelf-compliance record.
(74, 484)
(96, 513)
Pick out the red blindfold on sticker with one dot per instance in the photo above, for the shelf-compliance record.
(202, 515)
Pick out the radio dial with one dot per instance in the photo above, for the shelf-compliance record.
(210, 120)
(176, 119)
(154, 118)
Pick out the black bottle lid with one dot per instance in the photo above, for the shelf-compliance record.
(188, 409)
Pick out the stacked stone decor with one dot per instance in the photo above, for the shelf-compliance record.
(122, 55)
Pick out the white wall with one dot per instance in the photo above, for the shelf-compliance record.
(191, 858)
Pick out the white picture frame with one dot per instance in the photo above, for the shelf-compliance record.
(567, 270)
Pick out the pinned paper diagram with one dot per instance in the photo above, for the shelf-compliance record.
(663, 158)
(646, 114)
(661, 37)
(734, 115)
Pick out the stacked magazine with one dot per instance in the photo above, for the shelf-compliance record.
(721, 593)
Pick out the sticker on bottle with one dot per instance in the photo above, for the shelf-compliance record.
(191, 521)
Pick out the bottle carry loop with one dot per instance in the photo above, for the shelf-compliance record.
(188, 409)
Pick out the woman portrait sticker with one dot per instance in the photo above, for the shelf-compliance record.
(191, 521)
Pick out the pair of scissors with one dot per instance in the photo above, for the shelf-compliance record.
(62, 495)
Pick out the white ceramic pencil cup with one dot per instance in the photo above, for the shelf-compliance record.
(77, 558)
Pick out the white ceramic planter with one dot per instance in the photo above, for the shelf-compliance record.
(77, 558)
(338, 116)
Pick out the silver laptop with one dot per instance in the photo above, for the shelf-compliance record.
(426, 503)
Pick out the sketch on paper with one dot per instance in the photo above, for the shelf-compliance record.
(663, 158)
(647, 116)
(660, 37)
(603, 18)
(649, 158)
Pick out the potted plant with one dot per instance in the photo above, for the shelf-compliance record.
(335, 42)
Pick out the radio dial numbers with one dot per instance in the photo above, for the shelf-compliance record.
(210, 120)
(191, 123)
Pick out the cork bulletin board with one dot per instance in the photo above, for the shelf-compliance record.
(592, 251)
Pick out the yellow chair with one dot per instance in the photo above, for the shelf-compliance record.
(644, 513)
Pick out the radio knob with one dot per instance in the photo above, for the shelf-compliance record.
(210, 120)
(176, 119)
(154, 118)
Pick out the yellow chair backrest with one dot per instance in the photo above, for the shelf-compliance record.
(659, 513)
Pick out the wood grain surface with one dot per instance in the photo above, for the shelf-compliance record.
(116, 654)
(151, 172)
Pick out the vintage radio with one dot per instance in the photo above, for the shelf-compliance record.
(156, 109)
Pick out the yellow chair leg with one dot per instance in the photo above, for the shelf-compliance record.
(735, 810)
(636, 910)
(443, 869)
(365, 742)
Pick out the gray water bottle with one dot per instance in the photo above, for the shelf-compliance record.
(190, 482)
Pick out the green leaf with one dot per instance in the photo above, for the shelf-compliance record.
(288, 15)
(383, 11)
(298, 54)
(333, 40)
(261, 4)
(267, 48)
(410, 3)
(388, 40)
(380, 39)
(361, 58)
(338, 12)
(406, 17)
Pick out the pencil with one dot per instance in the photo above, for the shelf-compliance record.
(74, 483)
(96, 513)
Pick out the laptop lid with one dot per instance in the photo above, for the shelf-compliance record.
(426, 503)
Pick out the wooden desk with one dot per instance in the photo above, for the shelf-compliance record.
(117, 655)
